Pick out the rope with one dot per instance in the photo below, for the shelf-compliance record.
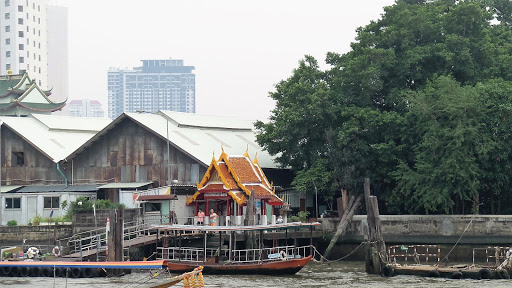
(340, 259)
(469, 224)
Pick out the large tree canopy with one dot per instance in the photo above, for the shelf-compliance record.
(420, 105)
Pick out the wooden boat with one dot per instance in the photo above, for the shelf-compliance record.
(230, 259)
(497, 265)
(194, 276)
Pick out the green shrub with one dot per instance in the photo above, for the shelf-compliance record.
(303, 216)
(86, 205)
(293, 218)
(12, 223)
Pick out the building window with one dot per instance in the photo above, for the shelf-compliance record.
(39, 57)
(20, 21)
(7, 54)
(21, 34)
(28, 29)
(7, 15)
(39, 44)
(12, 203)
(38, 32)
(34, 31)
(39, 70)
(51, 202)
(7, 3)
(7, 28)
(28, 54)
(20, 8)
(21, 47)
(38, 20)
(39, 82)
(20, 157)
(8, 41)
(39, 8)
(34, 18)
(34, 43)
(7, 66)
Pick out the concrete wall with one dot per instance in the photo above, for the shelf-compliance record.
(434, 229)
(39, 233)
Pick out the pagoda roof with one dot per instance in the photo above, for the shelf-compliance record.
(17, 84)
(239, 176)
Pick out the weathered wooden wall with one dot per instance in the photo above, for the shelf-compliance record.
(37, 169)
(131, 153)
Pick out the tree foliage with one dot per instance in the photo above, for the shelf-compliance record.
(420, 105)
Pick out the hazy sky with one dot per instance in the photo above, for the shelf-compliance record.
(240, 49)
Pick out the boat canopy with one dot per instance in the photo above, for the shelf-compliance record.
(293, 225)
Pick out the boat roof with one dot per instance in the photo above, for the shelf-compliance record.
(293, 225)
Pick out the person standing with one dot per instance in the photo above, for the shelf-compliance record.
(213, 218)
(200, 217)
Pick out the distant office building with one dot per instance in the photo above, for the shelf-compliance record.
(57, 49)
(23, 39)
(85, 108)
(157, 85)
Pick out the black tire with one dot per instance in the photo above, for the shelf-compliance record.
(60, 272)
(75, 272)
(46, 272)
(457, 275)
(388, 271)
(485, 273)
(5, 271)
(24, 271)
(87, 272)
(434, 274)
(15, 271)
(34, 272)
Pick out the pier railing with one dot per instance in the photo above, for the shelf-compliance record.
(494, 256)
(416, 254)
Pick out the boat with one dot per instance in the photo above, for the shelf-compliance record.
(211, 252)
(72, 269)
(425, 261)
(189, 279)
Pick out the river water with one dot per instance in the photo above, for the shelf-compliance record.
(335, 274)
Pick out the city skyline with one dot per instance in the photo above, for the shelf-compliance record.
(240, 50)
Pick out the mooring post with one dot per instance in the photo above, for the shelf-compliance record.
(376, 255)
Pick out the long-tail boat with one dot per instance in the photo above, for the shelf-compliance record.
(220, 258)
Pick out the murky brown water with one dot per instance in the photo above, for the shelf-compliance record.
(336, 274)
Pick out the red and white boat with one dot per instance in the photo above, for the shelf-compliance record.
(217, 250)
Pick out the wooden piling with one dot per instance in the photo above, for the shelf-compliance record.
(376, 255)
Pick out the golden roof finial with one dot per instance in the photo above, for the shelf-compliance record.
(246, 154)
(9, 72)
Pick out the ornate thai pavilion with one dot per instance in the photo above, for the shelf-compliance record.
(228, 184)
(20, 96)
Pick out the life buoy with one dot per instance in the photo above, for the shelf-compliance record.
(283, 255)
(56, 251)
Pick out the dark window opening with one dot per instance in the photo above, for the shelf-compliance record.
(51, 202)
(20, 158)
(152, 207)
(12, 203)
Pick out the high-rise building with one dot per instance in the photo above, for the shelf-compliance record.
(157, 85)
(85, 108)
(23, 39)
(58, 49)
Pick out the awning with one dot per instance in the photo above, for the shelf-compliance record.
(5, 189)
(42, 188)
(125, 185)
(157, 197)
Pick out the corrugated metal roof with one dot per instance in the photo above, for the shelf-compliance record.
(209, 134)
(83, 188)
(55, 136)
(5, 189)
(41, 188)
(121, 185)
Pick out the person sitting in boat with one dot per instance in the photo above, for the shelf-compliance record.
(213, 218)
(200, 217)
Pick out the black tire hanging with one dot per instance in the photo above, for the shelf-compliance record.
(34, 272)
(75, 272)
(457, 275)
(87, 272)
(15, 271)
(485, 273)
(5, 271)
(388, 271)
(24, 271)
(434, 274)
(46, 272)
(60, 272)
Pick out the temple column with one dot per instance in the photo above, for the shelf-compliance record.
(228, 218)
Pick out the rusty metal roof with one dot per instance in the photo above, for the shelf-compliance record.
(55, 136)
(201, 136)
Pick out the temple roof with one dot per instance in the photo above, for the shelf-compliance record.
(19, 91)
(239, 176)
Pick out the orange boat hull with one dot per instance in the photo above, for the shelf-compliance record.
(281, 267)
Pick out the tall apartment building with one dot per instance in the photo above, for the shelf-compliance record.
(58, 50)
(85, 108)
(157, 85)
(23, 39)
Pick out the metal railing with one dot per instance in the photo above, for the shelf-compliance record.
(420, 254)
(494, 254)
(237, 256)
